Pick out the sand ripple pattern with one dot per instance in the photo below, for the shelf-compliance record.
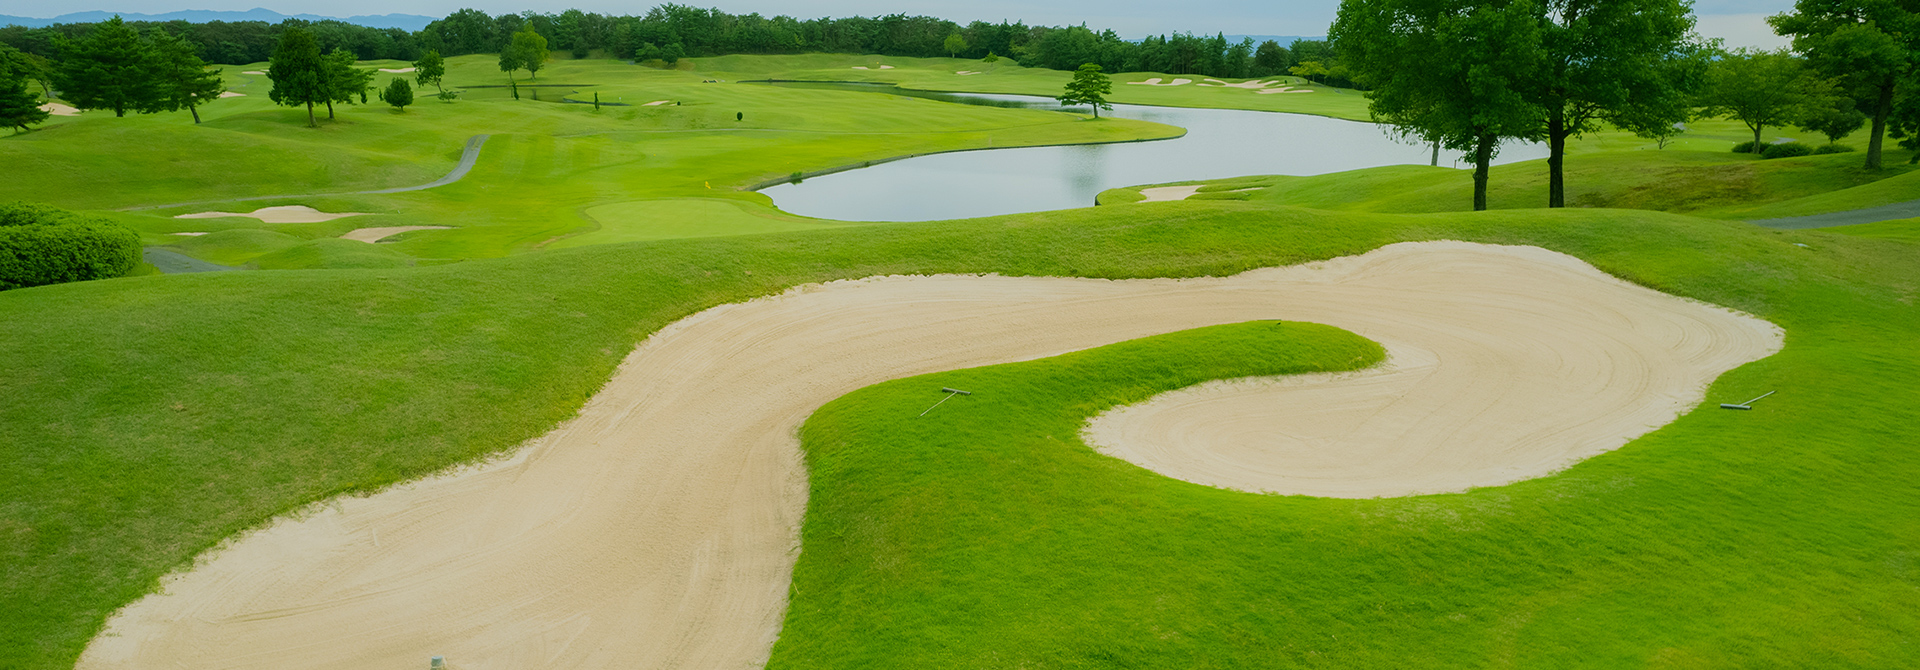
(658, 528)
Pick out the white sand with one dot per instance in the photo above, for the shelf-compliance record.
(58, 109)
(1285, 89)
(1168, 193)
(886, 67)
(371, 235)
(1155, 81)
(189, 234)
(859, 67)
(402, 70)
(656, 102)
(282, 214)
(658, 528)
(253, 72)
(964, 73)
(231, 94)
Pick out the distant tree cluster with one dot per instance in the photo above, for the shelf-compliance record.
(302, 76)
(670, 32)
(113, 67)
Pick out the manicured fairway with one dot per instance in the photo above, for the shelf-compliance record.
(191, 407)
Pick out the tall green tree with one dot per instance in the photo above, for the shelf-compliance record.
(397, 93)
(430, 69)
(341, 80)
(1868, 47)
(107, 69)
(1088, 87)
(1623, 62)
(1761, 89)
(528, 51)
(955, 44)
(180, 78)
(1270, 59)
(298, 72)
(19, 105)
(26, 67)
(1833, 116)
(1456, 71)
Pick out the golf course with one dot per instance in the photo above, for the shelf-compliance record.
(534, 375)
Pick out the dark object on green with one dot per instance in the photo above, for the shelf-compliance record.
(738, 116)
(1787, 150)
(1832, 149)
(1088, 87)
(42, 245)
(398, 93)
(596, 101)
(1743, 148)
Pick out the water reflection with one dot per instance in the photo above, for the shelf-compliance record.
(1219, 143)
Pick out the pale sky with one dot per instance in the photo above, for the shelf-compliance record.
(1740, 22)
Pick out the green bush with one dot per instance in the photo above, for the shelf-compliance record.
(42, 245)
(1832, 149)
(1787, 150)
(1743, 148)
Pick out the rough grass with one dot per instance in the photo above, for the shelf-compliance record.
(148, 418)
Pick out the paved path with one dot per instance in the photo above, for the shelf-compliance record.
(174, 262)
(1898, 210)
(467, 158)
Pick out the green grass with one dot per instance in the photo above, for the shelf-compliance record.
(148, 418)
(1904, 230)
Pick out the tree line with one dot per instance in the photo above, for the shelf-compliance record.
(1468, 74)
(113, 67)
(670, 32)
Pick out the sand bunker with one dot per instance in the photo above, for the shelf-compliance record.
(1285, 89)
(58, 109)
(964, 73)
(398, 70)
(1168, 193)
(282, 214)
(658, 528)
(188, 234)
(657, 102)
(253, 72)
(863, 67)
(1155, 81)
(231, 94)
(371, 235)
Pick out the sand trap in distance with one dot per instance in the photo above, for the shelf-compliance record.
(1171, 193)
(253, 72)
(58, 109)
(658, 528)
(656, 102)
(281, 214)
(371, 235)
(964, 73)
(1155, 81)
(398, 70)
(231, 94)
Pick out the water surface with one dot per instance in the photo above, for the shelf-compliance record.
(1219, 143)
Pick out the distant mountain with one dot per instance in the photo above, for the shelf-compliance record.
(408, 22)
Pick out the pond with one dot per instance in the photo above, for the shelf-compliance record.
(1219, 143)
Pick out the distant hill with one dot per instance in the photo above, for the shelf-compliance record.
(408, 22)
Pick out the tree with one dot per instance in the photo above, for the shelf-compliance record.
(180, 78)
(108, 69)
(1866, 45)
(1089, 87)
(398, 93)
(1447, 70)
(26, 67)
(1833, 116)
(1759, 88)
(19, 105)
(1617, 61)
(430, 69)
(1309, 69)
(1270, 59)
(298, 72)
(341, 80)
(955, 44)
(529, 51)
(510, 60)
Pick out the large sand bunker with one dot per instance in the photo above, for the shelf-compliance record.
(658, 528)
(281, 214)
(1155, 81)
(59, 109)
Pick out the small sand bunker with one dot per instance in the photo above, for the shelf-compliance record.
(188, 234)
(231, 94)
(964, 73)
(657, 102)
(1171, 193)
(58, 109)
(1284, 89)
(281, 214)
(253, 72)
(1155, 81)
(398, 70)
(659, 527)
(371, 235)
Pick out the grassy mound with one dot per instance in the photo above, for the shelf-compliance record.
(235, 246)
(150, 417)
(331, 253)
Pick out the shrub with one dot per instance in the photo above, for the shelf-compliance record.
(1832, 149)
(42, 245)
(1743, 148)
(1787, 150)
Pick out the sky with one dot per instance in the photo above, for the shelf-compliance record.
(1739, 22)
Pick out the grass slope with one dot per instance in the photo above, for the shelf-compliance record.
(148, 418)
